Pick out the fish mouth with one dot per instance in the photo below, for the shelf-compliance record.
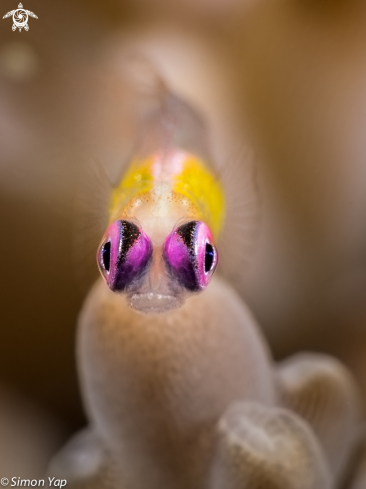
(152, 302)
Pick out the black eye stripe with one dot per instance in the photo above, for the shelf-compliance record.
(130, 233)
(187, 233)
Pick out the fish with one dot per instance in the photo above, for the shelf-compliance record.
(160, 243)
(168, 213)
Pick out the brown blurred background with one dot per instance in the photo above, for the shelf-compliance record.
(288, 77)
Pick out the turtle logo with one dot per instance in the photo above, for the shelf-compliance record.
(20, 17)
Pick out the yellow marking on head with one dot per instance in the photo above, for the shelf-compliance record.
(192, 180)
(137, 180)
(197, 183)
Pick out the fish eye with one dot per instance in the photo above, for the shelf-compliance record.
(190, 256)
(106, 255)
(124, 254)
(209, 257)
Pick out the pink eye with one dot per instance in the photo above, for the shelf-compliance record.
(190, 255)
(124, 255)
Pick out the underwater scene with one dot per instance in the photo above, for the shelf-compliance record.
(183, 209)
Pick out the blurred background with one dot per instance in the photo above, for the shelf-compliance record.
(287, 77)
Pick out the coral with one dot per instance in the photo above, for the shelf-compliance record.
(262, 448)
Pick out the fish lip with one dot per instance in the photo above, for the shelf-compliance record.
(152, 302)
